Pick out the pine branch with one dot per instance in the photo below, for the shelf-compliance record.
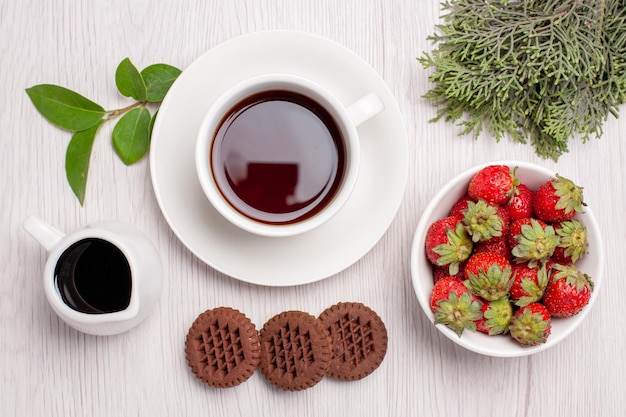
(539, 71)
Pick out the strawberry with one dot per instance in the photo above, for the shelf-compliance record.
(494, 183)
(495, 244)
(447, 243)
(531, 325)
(558, 200)
(484, 220)
(496, 317)
(528, 285)
(444, 271)
(568, 291)
(443, 287)
(460, 205)
(521, 205)
(532, 241)
(454, 305)
(573, 241)
(515, 230)
(488, 275)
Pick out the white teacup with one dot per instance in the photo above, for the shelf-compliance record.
(278, 154)
(103, 279)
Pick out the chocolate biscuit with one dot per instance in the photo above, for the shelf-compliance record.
(222, 347)
(295, 350)
(359, 340)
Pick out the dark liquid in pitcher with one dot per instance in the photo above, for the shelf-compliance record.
(278, 157)
(93, 276)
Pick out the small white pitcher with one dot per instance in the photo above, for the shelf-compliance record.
(145, 273)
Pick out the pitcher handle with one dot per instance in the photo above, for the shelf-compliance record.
(47, 235)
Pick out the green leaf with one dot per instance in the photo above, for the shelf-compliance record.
(131, 135)
(77, 159)
(159, 78)
(129, 81)
(65, 108)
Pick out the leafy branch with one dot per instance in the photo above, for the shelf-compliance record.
(81, 116)
(542, 71)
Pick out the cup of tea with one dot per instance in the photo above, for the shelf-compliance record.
(103, 279)
(278, 154)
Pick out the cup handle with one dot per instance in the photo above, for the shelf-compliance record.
(47, 235)
(365, 108)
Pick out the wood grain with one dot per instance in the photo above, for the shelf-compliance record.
(48, 369)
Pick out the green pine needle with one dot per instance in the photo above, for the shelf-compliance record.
(540, 71)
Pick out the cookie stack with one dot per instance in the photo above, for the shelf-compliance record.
(294, 349)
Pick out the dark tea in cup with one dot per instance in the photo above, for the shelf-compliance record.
(278, 157)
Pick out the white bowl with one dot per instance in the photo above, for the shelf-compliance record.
(502, 345)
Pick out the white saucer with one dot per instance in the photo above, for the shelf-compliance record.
(311, 256)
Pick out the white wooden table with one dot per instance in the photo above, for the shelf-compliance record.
(48, 369)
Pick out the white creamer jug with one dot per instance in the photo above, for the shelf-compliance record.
(103, 279)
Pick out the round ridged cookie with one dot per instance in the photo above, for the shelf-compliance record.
(222, 347)
(295, 350)
(359, 339)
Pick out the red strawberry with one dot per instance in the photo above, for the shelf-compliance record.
(528, 285)
(484, 220)
(521, 205)
(443, 287)
(494, 183)
(447, 243)
(454, 305)
(495, 244)
(444, 271)
(573, 241)
(515, 230)
(531, 325)
(558, 200)
(488, 275)
(496, 317)
(460, 205)
(532, 241)
(568, 291)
